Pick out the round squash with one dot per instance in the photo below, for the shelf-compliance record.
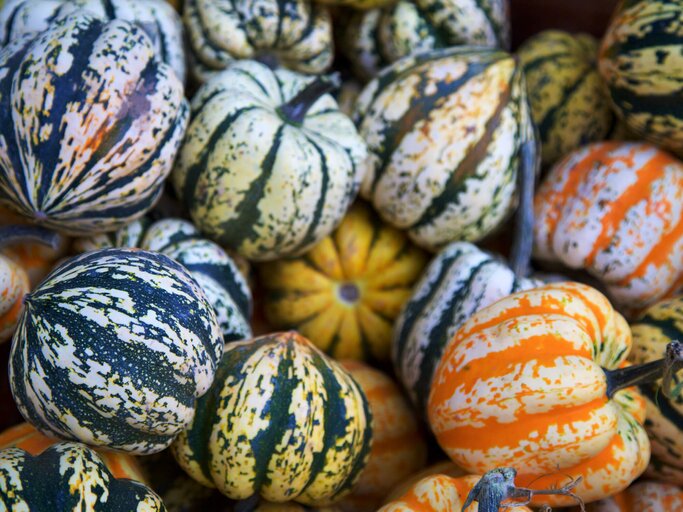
(345, 293)
(446, 468)
(113, 349)
(269, 165)
(445, 130)
(86, 145)
(281, 420)
(643, 497)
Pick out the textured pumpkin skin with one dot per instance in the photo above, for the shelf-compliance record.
(445, 468)
(14, 285)
(656, 327)
(96, 156)
(459, 281)
(569, 101)
(345, 293)
(240, 170)
(444, 130)
(281, 420)
(643, 497)
(68, 477)
(615, 209)
(641, 59)
(113, 349)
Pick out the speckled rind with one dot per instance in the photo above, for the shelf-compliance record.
(642, 497)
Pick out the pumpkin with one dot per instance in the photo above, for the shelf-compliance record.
(445, 130)
(345, 293)
(208, 264)
(94, 156)
(156, 17)
(282, 421)
(446, 468)
(615, 209)
(640, 59)
(569, 101)
(269, 165)
(296, 34)
(68, 477)
(459, 281)
(113, 349)
(643, 497)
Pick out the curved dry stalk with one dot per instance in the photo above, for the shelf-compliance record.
(674, 363)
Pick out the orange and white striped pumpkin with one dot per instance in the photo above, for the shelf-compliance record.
(440, 468)
(643, 497)
(14, 285)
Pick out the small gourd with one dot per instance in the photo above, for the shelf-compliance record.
(642, 497)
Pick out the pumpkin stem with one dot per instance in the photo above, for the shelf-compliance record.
(294, 111)
(18, 234)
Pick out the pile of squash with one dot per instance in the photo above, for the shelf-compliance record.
(340, 256)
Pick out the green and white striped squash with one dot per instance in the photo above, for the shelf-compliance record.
(267, 169)
(68, 477)
(296, 34)
(282, 420)
(641, 59)
(460, 281)
(376, 38)
(113, 349)
(445, 129)
(209, 265)
(157, 18)
(569, 101)
(90, 123)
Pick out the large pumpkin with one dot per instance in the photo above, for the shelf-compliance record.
(90, 124)
(281, 420)
(113, 349)
(643, 497)
(345, 293)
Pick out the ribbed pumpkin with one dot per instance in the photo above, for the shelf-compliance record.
(569, 101)
(269, 165)
(345, 293)
(68, 477)
(113, 349)
(532, 382)
(643, 497)
(209, 265)
(615, 209)
(281, 420)
(445, 468)
(459, 281)
(296, 34)
(157, 18)
(445, 130)
(641, 61)
(90, 124)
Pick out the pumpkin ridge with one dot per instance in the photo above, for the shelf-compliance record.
(322, 196)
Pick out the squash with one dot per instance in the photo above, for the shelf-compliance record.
(459, 281)
(345, 293)
(446, 468)
(95, 156)
(113, 349)
(615, 209)
(208, 264)
(640, 59)
(447, 132)
(282, 421)
(569, 101)
(269, 165)
(358, 4)
(68, 477)
(643, 497)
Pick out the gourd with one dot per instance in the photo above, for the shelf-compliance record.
(344, 294)
(269, 165)
(445, 468)
(642, 497)
(358, 4)
(209, 265)
(86, 145)
(282, 421)
(113, 349)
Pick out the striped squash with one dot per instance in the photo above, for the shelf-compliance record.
(14, 285)
(68, 477)
(281, 420)
(269, 165)
(615, 209)
(209, 265)
(641, 59)
(156, 17)
(345, 293)
(446, 468)
(296, 34)
(532, 382)
(445, 129)
(94, 156)
(643, 497)
(569, 101)
(652, 331)
(460, 280)
(113, 349)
